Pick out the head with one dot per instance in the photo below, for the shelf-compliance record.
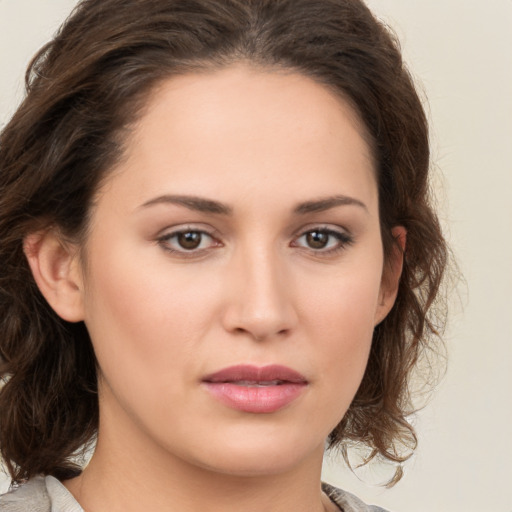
(89, 92)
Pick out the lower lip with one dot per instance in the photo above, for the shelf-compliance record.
(255, 399)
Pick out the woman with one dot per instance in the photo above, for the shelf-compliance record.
(218, 253)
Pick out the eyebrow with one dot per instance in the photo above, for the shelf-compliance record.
(326, 203)
(192, 203)
(210, 206)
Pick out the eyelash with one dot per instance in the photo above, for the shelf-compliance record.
(165, 240)
(343, 240)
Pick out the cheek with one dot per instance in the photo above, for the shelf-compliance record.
(141, 318)
(341, 324)
(140, 289)
(343, 304)
(348, 331)
(145, 325)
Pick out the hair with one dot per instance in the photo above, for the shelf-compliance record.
(87, 87)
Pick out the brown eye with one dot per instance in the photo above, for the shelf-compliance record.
(189, 240)
(324, 241)
(317, 239)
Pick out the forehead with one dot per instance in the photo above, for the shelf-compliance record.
(229, 132)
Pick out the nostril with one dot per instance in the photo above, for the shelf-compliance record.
(259, 335)
(255, 336)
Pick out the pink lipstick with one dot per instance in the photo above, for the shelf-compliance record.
(255, 389)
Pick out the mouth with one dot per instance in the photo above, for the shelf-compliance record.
(258, 390)
(257, 384)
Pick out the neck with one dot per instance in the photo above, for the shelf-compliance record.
(146, 477)
(105, 486)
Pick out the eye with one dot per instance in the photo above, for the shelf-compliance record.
(187, 241)
(323, 240)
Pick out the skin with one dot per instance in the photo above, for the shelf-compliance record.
(255, 291)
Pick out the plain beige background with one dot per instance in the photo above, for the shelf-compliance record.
(461, 53)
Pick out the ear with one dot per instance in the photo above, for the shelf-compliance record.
(55, 267)
(391, 274)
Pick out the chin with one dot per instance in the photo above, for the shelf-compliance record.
(264, 456)
(251, 465)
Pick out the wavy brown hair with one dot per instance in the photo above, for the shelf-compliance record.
(86, 88)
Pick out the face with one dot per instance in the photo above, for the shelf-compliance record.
(233, 272)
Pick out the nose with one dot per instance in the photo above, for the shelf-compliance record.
(260, 303)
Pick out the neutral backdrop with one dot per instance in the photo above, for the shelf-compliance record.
(460, 51)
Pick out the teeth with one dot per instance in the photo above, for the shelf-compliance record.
(255, 384)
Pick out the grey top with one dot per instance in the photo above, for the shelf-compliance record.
(47, 494)
(40, 494)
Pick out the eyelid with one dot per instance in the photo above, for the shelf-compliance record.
(168, 233)
(344, 236)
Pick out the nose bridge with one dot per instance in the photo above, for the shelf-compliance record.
(260, 304)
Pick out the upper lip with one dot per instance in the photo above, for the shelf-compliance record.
(253, 373)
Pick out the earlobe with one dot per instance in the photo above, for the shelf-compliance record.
(55, 267)
(391, 274)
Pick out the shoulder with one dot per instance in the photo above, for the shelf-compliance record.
(32, 496)
(348, 502)
(39, 494)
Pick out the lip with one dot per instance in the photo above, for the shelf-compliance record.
(253, 389)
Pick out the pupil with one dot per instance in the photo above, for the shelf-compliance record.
(189, 240)
(317, 239)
